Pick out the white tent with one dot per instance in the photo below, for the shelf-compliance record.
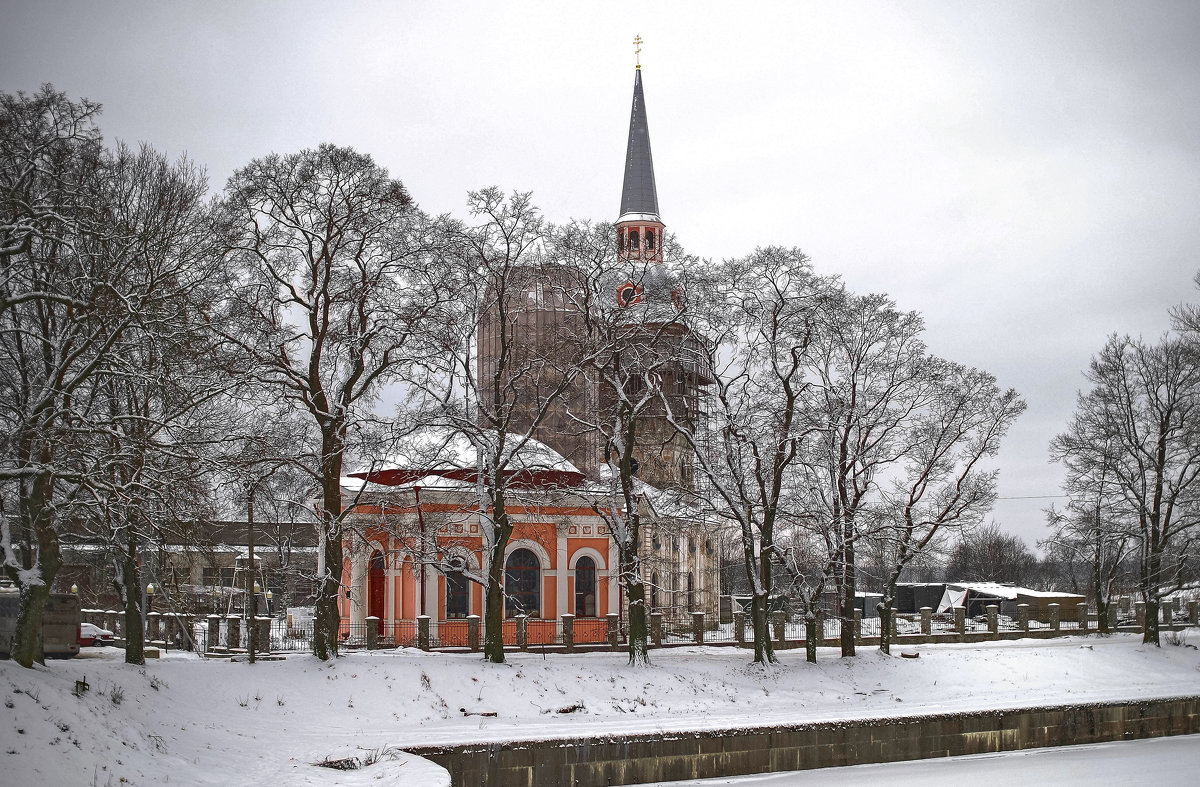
(952, 598)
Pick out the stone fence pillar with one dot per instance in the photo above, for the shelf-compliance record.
(614, 630)
(1055, 620)
(263, 643)
(820, 627)
(1168, 612)
(1194, 612)
(927, 620)
(372, 623)
(698, 627)
(473, 632)
(1023, 617)
(1081, 612)
(777, 623)
(568, 628)
(1111, 611)
(233, 631)
(960, 620)
(153, 628)
(214, 633)
(1140, 611)
(656, 628)
(423, 632)
(993, 618)
(739, 627)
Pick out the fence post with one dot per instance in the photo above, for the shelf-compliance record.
(656, 628)
(568, 626)
(1055, 621)
(1023, 617)
(372, 624)
(423, 632)
(960, 620)
(233, 631)
(927, 621)
(473, 632)
(777, 621)
(1112, 617)
(1081, 611)
(1193, 612)
(264, 634)
(857, 625)
(1168, 612)
(993, 618)
(214, 633)
(614, 630)
(1140, 607)
(820, 641)
(698, 627)
(152, 619)
(739, 627)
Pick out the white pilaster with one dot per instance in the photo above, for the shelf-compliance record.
(560, 582)
(358, 583)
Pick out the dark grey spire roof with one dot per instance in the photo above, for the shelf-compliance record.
(638, 194)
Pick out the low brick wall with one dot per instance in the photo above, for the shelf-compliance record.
(633, 759)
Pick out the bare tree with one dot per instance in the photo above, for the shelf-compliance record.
(94, 244)
(506, 374)
(871, 379)
(943, 484)
(1139, 428)
(755, 320)
(334, 284)
(635, 351)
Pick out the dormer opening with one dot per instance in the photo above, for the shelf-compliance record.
(649, 240)
(633, 240)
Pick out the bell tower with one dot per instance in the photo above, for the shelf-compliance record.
(639, 228)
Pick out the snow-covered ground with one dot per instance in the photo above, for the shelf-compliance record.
(183, 720)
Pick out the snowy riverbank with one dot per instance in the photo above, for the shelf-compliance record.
(183, 720)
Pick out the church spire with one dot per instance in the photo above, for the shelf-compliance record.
(639, 197)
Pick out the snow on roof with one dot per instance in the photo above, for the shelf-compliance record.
(1006, 591)
(454, 456)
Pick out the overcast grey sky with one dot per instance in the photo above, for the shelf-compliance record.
(1026, 175)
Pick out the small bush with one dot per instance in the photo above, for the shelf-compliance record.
(116, 695)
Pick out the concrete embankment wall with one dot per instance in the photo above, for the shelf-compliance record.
(634, 759)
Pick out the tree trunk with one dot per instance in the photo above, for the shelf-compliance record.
(327, 621)
(639, 621)
(810, 639)
(135, 635)
(493, 609)
(1150, 635)
(848, 582)
(764, 650)
(885, 628)
(26, 645)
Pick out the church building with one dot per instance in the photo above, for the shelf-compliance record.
(414, 542)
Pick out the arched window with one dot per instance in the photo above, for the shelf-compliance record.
(649, 240)
(457, 603)
(376, 587)
(691, 594)
(522, 584)
(585, 588)
(633, 240)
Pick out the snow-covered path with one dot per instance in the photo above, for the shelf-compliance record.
(213, 722)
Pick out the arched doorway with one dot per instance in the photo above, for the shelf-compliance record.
(522, 584)
(585, 588)
(376, 589)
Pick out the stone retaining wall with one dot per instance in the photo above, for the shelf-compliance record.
(633, 759)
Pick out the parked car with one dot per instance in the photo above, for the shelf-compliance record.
(91, 634)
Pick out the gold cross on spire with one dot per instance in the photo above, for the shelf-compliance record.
(637, 52)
